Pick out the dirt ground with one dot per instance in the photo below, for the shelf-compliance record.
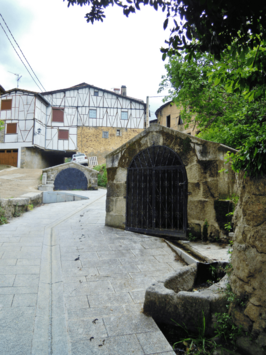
(15, 182)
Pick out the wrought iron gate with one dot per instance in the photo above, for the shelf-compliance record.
(157, 193)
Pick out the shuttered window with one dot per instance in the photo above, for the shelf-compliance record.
(58, 115)
(63, 134)
(6, 105)
(11, 128)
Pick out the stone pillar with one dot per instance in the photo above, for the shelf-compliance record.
(249, 259)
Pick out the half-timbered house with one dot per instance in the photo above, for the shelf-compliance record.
(43, 128)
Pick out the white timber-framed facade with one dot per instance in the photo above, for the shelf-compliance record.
(43, 128)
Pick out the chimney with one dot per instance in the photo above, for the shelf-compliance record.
(117, 91)
(123, 90)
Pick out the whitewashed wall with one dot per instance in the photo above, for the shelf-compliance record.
(22, 113)
(40, 123)
(78, 102)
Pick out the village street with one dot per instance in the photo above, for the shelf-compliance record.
(71, 285)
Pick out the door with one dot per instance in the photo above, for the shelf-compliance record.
(157, 193)
(9, 157)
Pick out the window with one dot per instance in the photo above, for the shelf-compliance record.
(58, 115)
(118, 132)
(124, 115)
(105, 134)
(180, 121)
(168, 121)
(63, 134)
(6, 105)
(92, 113)
(11, 128)
(96, 93)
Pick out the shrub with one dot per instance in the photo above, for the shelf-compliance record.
(3, 219)
(102, 176)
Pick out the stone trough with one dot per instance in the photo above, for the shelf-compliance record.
(174, 298)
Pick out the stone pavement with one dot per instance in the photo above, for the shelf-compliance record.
(71, 285)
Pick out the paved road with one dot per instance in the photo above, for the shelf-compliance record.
(71, 285)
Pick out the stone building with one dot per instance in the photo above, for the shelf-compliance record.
(41, 129)
(168, 115)
(163, 181)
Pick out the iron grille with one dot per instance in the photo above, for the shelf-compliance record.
(157, 193)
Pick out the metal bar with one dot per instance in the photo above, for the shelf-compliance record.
(142, 193)
(166, 199)
(148, 192)
(148, 150)
(161, 232)
(132, 193)
(160, 206)
(153, 199)
(137, 209)
(178, 167)
(178, 202)
(172, 198)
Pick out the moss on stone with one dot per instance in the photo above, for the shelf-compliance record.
(186, 145)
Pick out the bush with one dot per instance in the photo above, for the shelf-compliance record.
(102, 176)
(3, 219)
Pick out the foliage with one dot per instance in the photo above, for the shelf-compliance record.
(3, 219)
(30, 207)
(192, 237)
(226, 99)
(197, 26)
(102, 176)
(196, 343)
(2, 125)
(226, 330)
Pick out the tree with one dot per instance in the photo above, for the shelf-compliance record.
(212, 24)
(234, 116)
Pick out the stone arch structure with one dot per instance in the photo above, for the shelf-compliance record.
(70, 179)
(207, 188)
(157, 192)
(69, 176)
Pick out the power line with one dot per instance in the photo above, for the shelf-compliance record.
(42, 87)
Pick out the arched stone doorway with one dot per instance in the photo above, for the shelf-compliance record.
(70, 179)
(157, 193)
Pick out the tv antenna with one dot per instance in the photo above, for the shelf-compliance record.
(18, 77)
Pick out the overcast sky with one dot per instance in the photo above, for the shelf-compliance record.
(64, 50)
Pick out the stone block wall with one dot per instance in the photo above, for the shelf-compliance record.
(92, 143)
(206, 186)
(249, 258)
(13, 207)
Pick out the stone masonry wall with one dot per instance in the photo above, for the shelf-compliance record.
(206, 186)
(33, 158)
(249, 257)
(91, 142)
(174, 112)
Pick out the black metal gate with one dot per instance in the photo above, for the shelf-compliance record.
(157, 193)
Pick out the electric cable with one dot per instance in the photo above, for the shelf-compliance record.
(42, 87)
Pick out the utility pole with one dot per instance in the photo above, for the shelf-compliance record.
(147, 112)
(18, 77)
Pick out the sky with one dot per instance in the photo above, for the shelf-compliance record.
(64, 50)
